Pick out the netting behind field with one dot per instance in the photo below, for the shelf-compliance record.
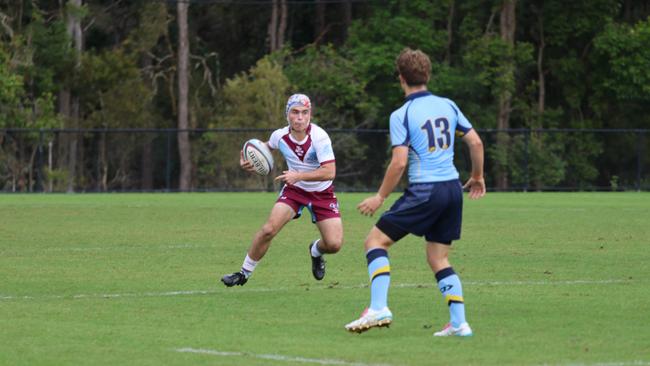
(148, 160)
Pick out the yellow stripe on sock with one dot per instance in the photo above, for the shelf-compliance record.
(383, 269)
(456, 298)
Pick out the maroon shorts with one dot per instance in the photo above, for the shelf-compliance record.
(322, 205)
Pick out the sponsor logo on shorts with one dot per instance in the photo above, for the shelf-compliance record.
(335, 207)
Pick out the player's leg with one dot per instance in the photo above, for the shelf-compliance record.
(393, 225)
(331, 231)
(280, 215)
(377, 314)
(451, 289)
(324, 209)
(376, 246)
(446, 211)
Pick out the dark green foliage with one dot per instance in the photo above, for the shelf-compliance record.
(590, 56)
(624, 49)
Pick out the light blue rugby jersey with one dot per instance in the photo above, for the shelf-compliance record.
(428, 124)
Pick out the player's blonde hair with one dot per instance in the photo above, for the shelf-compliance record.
(414, 66)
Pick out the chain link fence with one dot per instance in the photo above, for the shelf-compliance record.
(128, 160)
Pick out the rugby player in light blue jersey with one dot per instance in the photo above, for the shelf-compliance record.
(422, 133)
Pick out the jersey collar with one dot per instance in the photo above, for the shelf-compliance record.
(307, 135)
(419, 94)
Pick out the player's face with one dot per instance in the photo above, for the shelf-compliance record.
(299, 118)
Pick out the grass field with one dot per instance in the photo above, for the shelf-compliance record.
(132, 279)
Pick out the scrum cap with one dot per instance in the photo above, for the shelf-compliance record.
(297, 100)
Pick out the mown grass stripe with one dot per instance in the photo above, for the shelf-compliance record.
(326, 287)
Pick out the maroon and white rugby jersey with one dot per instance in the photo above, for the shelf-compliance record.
(306, 155)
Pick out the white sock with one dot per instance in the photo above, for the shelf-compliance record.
(314, 249)
(248, 266)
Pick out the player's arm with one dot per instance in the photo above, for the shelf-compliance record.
(392, 177)
(247, 165)
(476, 182)
(326, 171)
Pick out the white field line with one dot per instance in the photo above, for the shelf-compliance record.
(319, 361)
(346, 363)
(297, 288)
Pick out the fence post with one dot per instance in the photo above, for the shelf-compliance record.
(49, 162)
(39, 171)
(168, 174)
(639, 144)
(526, 142)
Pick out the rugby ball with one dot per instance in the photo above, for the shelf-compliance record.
(259, 155)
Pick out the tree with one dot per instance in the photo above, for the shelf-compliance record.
(347, 18)
(507, 26)
(184, 148)
(622, 95)
(537, 64)
(374, 43)
(277, 25)
(253, 99)
(339, 100)
(32, 56)
(69, 103)
(319, 20)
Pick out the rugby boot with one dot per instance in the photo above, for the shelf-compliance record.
(462, 331)
(317, 265)
(370, 319)
(237, 278)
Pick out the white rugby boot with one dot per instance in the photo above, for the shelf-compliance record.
(369, 319)
(462, 331)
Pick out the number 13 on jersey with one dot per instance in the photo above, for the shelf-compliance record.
(444, 138)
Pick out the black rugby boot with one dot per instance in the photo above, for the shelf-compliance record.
(237, 278)
(317, 265)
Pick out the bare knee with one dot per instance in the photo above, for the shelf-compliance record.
(369, 244)
(331, 246)
(438, 262)
(373, 243)
(268, 232)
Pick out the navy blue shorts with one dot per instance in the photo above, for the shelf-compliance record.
(432, 210)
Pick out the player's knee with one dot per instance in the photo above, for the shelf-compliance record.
(334, 245)
(438, 262)
(268, 231)
(372, 242)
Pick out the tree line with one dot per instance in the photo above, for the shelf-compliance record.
(196, 64)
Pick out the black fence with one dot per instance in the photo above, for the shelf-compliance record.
(126, 160)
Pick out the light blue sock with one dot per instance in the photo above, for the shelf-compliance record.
(452, 290)
(379, 273)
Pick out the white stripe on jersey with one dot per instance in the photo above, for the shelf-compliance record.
(305, 156)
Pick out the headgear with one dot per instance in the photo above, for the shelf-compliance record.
(297, 100)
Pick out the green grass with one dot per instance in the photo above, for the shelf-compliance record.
(549, 278)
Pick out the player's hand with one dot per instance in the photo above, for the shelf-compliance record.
(370, 205)
(476, 187)
(246, 165)
(289, 177)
